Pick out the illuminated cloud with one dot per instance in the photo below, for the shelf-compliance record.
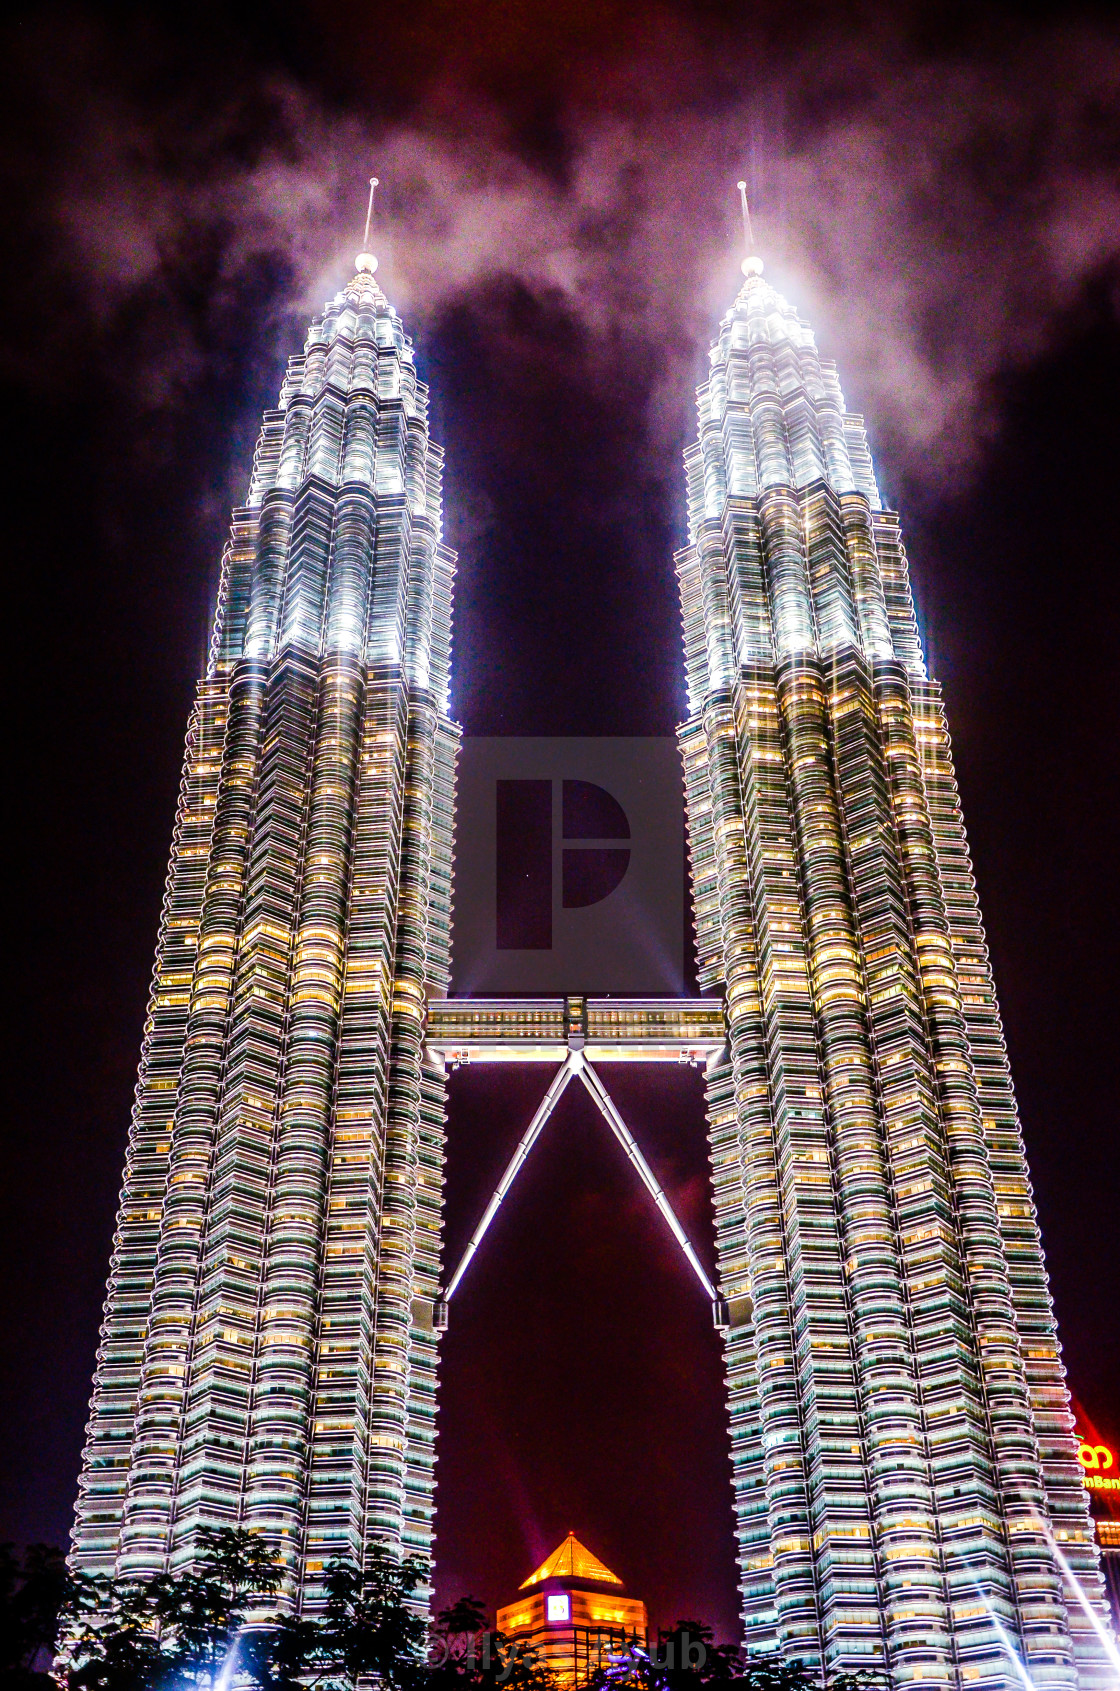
(932, 217)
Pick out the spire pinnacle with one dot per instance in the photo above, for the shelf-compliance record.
(752, 264)
(365, 259)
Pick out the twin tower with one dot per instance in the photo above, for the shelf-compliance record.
(907, 1495)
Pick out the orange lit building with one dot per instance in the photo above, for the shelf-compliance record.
(573, 1612)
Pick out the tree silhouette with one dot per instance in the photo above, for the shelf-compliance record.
(177, 1631)
(372, 1623)
(31, 1595)
(125, 1635)
(464, 1654)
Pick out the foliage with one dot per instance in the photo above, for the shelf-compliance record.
(463, 1654)
(199, 1613)
(687, 1658)
(31, 1594)
(629, 1669)
(507, 1663)
(465, 1618)
(776, 1673)
(455, 1645)
(688, 1652)
(113, 1647)
(176, 1631)
(371, 1624)
(123, 1635)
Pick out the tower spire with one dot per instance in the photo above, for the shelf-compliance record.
(752, 264)
(365, 259)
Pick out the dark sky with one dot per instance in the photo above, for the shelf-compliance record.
(938, 189)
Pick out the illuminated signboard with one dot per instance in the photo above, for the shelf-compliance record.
(558, 1606)
(1099, 1463)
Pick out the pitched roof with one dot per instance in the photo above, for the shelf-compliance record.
(573, 1560)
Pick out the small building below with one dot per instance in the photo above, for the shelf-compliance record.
(573, 1612)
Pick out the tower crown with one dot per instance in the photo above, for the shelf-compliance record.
(339, 547)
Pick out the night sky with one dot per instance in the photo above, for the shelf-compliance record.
(938, 189)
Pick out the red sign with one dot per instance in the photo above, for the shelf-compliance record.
(1099, 1463)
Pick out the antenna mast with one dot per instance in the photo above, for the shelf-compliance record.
(752, 264)
(365, 259)
(369, 212)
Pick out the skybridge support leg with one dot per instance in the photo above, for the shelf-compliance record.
(528, 1139)
(576, 1064)
(626, 1139)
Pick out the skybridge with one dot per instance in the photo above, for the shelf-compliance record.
(576, 1033)
(607, 1030)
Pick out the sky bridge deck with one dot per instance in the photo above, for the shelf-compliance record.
(544, 1030)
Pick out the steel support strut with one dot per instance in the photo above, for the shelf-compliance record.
(575, 1063)
(626, 1139)
(528, 1139)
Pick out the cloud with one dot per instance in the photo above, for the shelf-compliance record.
(933, 218)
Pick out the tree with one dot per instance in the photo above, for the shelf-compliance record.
(200, 1613)
(510, 1666)
(108, 1638)
(775, 1673)
(688, 1652)
(280, 1656)
(629, 1669)
(467, 1655)
(371, 1623)
(31, 1595)
(686, 1658)
(184, 1629)
(465, 1618)
(122, 1635)
(455, 1645)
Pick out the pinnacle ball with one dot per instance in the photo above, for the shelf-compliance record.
(365, 261)
(752, 267)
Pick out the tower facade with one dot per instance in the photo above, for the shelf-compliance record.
(267, 1357)
(901, 1431)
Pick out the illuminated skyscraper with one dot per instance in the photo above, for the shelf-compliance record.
(901, 1430)
(267, 1357)
(905, 1472)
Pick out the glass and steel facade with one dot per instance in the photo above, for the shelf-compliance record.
(267, 1357)
(901, 1431)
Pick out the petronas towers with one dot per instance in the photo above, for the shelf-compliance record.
(267, 1357)
(904, 1470)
